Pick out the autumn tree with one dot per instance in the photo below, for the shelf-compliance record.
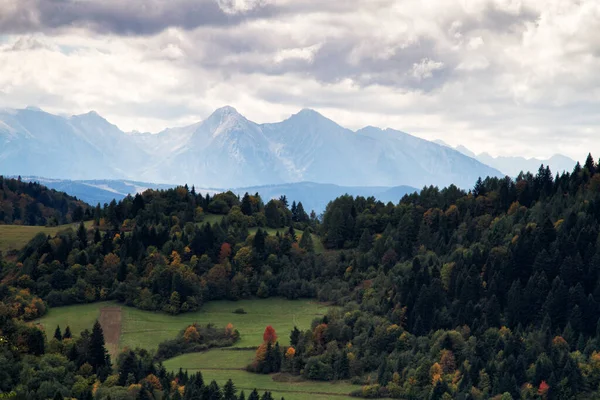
(269, 336)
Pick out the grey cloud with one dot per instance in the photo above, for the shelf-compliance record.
(132, 17)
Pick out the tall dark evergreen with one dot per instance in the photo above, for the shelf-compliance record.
(57, 334)
(68, 334)
(98, 354)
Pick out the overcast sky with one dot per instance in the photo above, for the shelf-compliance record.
(504, 76)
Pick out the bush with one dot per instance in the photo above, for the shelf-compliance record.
(205, 337)
(239, 311)
(317, 370)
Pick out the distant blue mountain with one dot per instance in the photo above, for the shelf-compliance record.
(314, 196)
(228, 150)
(96, 191)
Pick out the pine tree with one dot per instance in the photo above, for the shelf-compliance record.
(301, 214)
(259, 243)
(58, 396)
(292, 233)
(229, 391)
(126, 367)
(246, 206)
(82, 236)
(254, 395)
(98, 354)
(67, 334)
(97, 236)
(57, 334)
(295, 336)
(277, 358)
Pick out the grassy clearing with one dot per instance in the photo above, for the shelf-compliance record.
(147, 329)
(15, 237)
(212, 219)
(213, 359)
(78, 317)
(291, 389)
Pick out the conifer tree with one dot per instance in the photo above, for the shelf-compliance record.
(295, 336)
(98, 354)
(57, 334)
(229, 391)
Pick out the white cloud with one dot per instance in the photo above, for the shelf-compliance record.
(425, 68)
(496, 75)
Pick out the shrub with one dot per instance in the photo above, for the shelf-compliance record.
(239, 311)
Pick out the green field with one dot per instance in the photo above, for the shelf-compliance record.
(223, 364)
(147, 329)
(212, 219)
(15, 237)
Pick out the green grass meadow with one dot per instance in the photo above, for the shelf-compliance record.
(223, 364)
(147, 329)
(15, 237)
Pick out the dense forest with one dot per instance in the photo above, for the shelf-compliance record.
(448, 294)
(29, 203)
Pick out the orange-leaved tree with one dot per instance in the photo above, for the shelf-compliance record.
(270, 336)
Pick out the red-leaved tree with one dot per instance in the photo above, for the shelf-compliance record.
(269, 336)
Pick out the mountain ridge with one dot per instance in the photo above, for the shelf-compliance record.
(228, 150)
(514, 165)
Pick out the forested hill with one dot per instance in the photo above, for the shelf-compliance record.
(29, 203)
(446, 294)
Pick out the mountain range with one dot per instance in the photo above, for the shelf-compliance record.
(512, 166)
(228, 150)
(314, 196)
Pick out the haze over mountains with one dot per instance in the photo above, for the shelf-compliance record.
(313, 196)
(512, 166)
(228, 150)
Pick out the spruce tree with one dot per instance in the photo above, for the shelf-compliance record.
(97, 352)
(254, 395)
(295, 336)
(58, 396)
(82, 236)
(57, 334)
(229, 391)
(67, 334)
(127, 366)
(246, 206)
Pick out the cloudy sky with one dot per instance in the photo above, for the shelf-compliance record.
(503, 76)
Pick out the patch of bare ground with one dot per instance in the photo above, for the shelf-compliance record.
(111, 322)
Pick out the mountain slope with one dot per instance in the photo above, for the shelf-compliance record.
(512, 166)
(228, 150)
(29, 203)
